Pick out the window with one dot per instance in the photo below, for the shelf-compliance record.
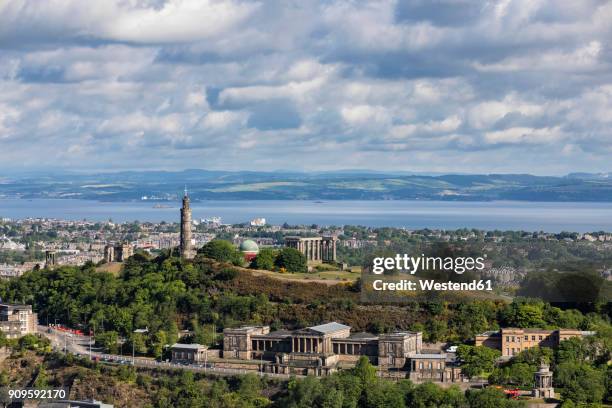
(540, 338)
(526, 338)
(430, 366)
(421, 365)
(532, 338)
(507, 338)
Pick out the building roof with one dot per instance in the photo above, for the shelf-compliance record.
(490, 333)
(362, 335)
(429, 355)
(276, 333)
(189, 346)
(329, 327)
(280, 333)
(249, 246)
(399, 334)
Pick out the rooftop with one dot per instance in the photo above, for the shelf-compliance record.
(329, 327)
(363, 335)
(276, 333)
(441, 356)
(189, 346)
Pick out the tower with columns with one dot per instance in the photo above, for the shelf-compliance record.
(186, 247)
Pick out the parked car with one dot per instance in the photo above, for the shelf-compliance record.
(451, 349)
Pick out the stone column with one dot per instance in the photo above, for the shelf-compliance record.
(333, 250)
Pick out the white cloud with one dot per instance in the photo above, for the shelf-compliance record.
(518, 135)
(258, 83)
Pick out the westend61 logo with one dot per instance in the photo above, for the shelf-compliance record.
(411, 264)
(391, 278)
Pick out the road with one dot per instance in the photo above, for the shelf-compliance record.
(80, 345)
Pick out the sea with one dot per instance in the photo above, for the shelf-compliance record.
(490, 215)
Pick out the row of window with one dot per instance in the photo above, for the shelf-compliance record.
(518, 338)
(430, 365)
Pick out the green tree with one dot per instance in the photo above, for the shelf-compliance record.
(109, 340)
(364, 371)
(222, 251)
(476, 360)
(426, 395)
(383, 394)
(264, 259)
(157, 342)
(490, 398)
(292, 260)
(580, 382)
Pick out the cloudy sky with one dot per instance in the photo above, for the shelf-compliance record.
(423, 85)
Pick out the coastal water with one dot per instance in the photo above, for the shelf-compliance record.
(503, 215)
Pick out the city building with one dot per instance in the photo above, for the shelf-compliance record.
(511, 341)
(189, 353)
(17, 320)
(258, 222)
(326, 348)
(315, 249)
(249, 249)
(118, 252)
(433, 367)
(186, 246)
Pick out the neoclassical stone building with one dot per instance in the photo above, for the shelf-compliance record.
(323, 349)
(511, 340)
(315, 249)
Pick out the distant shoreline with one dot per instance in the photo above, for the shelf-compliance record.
(551, 217)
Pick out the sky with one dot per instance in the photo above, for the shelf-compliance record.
(506, 86)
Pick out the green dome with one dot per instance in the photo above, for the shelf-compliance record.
(249, 246)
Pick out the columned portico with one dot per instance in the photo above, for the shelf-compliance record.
(315, 249)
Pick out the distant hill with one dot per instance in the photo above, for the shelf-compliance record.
(340, 185)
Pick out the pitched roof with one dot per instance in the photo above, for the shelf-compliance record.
(329, 327)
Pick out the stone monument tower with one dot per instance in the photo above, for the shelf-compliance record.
(185, 245)
(50, 259)
(543, 383)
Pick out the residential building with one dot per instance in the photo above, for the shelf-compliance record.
(511, 341)
(17, 320)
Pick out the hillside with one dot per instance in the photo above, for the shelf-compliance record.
(347, 185)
